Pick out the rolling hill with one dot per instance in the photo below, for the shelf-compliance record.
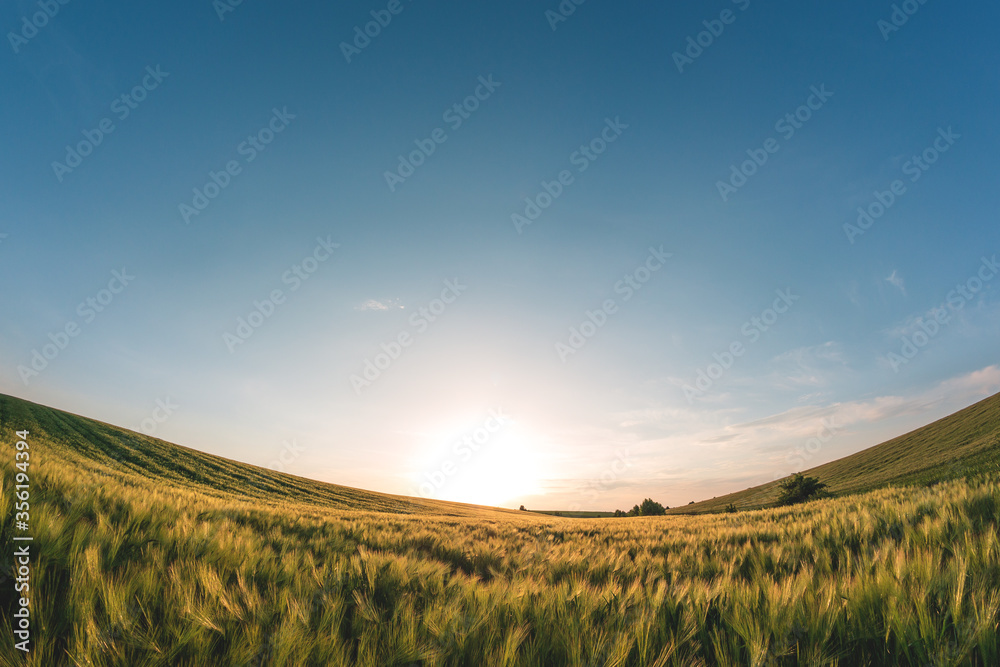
(99, 454)
(964, 443)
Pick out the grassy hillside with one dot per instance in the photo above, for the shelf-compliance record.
(99, 453)
(168, 567)
(961, 444)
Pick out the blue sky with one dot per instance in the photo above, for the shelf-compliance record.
(586, 354)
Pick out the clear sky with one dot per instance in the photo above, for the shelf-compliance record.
(633, 249)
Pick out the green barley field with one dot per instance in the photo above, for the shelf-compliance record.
(146, 553)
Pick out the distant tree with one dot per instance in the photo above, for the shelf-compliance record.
(649, 507)
(522, 509)
(619, 513)
(731, 508)
(799, 489)
(691, 503)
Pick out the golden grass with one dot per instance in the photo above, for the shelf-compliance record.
(138, 569)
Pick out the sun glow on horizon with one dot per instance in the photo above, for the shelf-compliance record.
(490, 464)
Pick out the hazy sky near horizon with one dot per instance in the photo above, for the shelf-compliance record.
(497, 254)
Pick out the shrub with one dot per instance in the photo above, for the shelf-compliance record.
(799, 489)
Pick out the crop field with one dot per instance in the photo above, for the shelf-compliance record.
(132, 569)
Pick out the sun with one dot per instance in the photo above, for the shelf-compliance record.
(481, 467)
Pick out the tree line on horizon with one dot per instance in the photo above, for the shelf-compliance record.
(649, 507)
(796, 489)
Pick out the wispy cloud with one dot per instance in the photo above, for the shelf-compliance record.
(978, 315)
(896, 281)
(962, 307)
(804, 420)
(679, 428)
(811, 366)
(978, 383)
(811, 355)
(854, 293)
(374, 304)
